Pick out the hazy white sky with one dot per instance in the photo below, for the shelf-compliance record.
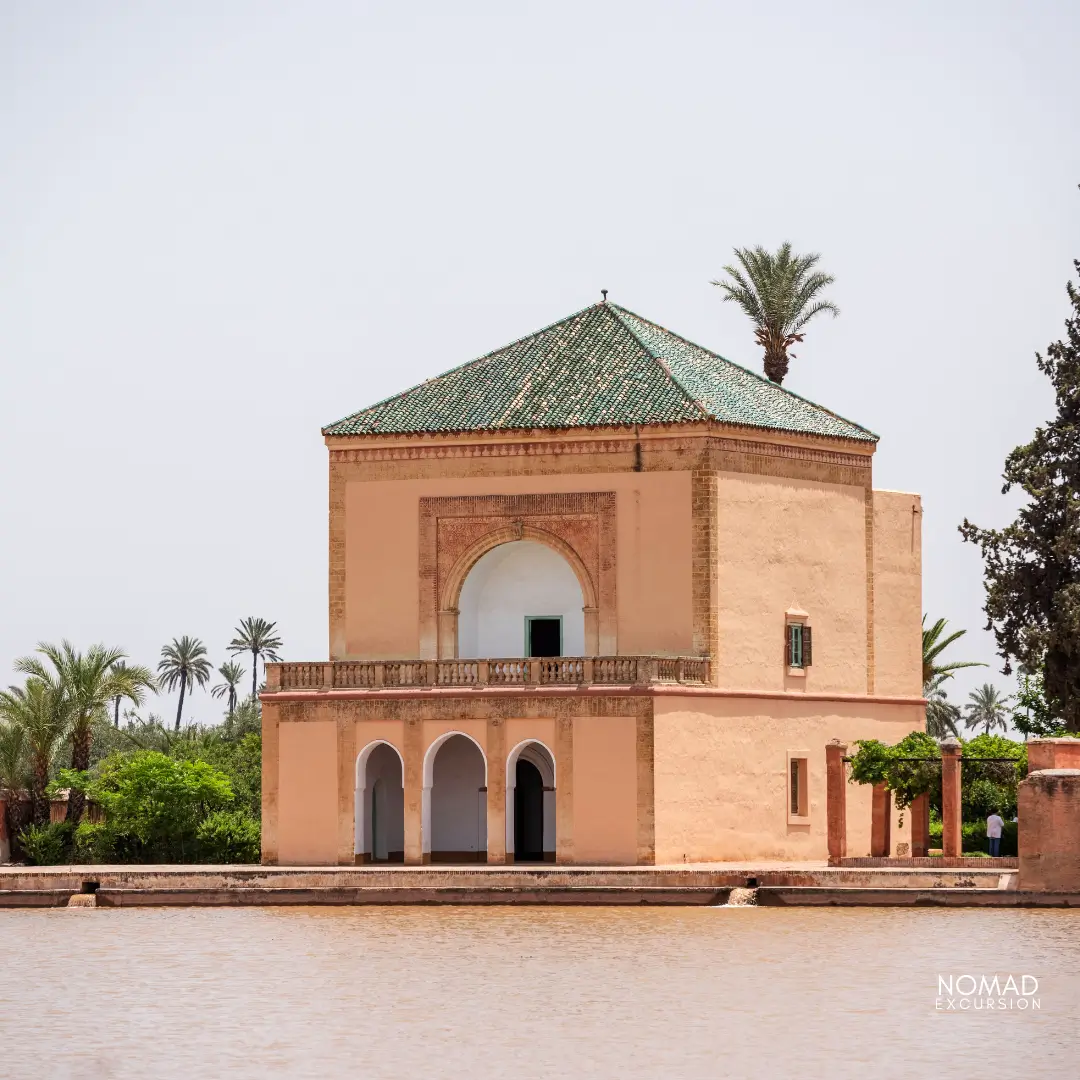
(225, 225)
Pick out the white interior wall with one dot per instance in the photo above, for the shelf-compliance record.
(384, 789)
(458, 801)
(379, 778)
(507, 584)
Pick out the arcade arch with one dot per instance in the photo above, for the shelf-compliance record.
(454, 806)
(530, 803)
(379, 804)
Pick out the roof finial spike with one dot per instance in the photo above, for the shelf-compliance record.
(603, 293)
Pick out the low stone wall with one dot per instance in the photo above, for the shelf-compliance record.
(1049, 814)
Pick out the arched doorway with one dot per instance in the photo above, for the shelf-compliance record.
(521, 599)
(379, 805)
(454, 823)
(530, 803)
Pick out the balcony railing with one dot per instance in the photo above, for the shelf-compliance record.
(554, 671)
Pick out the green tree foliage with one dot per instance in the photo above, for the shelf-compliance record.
(985, 785)
(987, 708)
(780, 294)
(1032, 566)
(1031, 715)
(231, 673)
(257, 637)
(38, 716)
(153, 804)
(86, 683)
(877, 763)
(14, 753)
(229, 836)
(934, 642)
(47, 844)
(942, 716)
(183, 663)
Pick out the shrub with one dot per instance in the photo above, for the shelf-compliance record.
(230, 836)
(154, 804)
(47, 845)
(94, 843)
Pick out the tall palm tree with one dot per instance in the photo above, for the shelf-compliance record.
(257, 637)
(780, 293)
(41, 712)
(987, 708)
(232, 673)
(933, 645)
(183, 662)
(88, 683)
(941, 714)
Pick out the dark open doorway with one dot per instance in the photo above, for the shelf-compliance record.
(544, 636)
(528, 813)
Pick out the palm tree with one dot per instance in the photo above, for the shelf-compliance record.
(183, 662)
(40, 711)
(780, 293)
(987, 708)
(257, 637)
(941, 713)
(87, 683)
(119, 666)
(232, 673)
(14, 762)
(933, 645)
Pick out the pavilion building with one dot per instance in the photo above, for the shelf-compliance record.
(598, 597)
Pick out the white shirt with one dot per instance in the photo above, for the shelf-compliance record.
(993, 826)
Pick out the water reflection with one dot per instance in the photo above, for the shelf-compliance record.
(527, 992)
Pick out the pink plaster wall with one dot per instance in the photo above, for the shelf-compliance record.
(721, 774)
(791, 543)
(307, 793)
(605, 790)
(653, 581)
(897, 593)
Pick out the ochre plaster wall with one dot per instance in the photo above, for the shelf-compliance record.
(897, 593)
(605, 790)
(786, 543)
(307, 793)
(653, 578)
(721, 775)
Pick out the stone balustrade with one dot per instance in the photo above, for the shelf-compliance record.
(531, 671)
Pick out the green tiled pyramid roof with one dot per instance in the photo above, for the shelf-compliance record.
(602, 367)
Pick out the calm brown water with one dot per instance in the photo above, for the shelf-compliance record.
(516, 992)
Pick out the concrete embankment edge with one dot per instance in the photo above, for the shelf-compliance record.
(768, 896)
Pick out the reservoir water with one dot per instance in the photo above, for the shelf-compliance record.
(530, 992)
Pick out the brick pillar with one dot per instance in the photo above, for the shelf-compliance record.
(496, 791)
(1049, 815)
(881, 822)
(836, 800)
(951, 813)
(920, 826)
(564, 785)
(414, 792)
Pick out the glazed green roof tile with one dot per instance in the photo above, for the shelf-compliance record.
(601, 367)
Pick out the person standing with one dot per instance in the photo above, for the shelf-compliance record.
(994, 825)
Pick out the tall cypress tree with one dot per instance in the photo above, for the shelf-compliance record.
(1033, 566)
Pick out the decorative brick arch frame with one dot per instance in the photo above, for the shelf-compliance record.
(456, 531)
